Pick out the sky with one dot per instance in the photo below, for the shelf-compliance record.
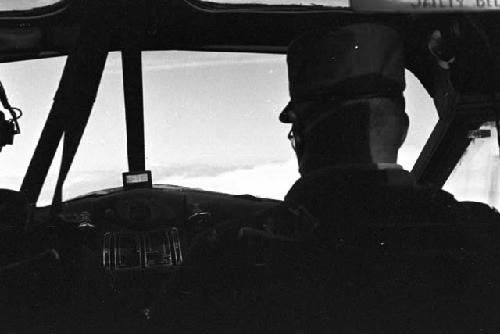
(211, 123)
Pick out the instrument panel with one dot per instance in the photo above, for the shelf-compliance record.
(150, 230)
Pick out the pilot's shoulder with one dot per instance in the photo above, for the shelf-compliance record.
(466, 211)
(479, 212)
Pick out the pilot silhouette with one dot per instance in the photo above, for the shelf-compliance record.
(348, 118)
(357, 246)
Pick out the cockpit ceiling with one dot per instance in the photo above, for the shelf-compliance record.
(183, 24)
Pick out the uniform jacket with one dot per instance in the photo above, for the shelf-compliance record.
(353, 251)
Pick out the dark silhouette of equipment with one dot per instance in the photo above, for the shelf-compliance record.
(8, 127)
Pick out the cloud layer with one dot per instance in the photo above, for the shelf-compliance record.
(270, 180)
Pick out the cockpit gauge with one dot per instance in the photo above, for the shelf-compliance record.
(142, 251)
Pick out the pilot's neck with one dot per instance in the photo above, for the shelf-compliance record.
(376, 162)
(353, 167)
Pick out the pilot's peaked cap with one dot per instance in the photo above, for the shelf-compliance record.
(355, 61)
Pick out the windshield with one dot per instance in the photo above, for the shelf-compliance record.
(211, 122)
(10, 5)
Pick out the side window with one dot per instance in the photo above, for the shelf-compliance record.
(101, 157)
(30, 85)
(423, 117)
(475, 177)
